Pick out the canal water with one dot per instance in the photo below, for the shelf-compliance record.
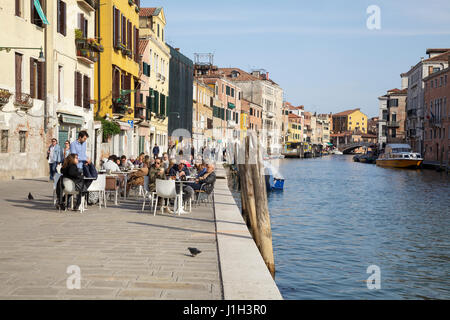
(336, 218)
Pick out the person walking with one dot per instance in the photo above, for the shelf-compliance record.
(54, 157)
(66, 151)
(155, 151)
(78, 147)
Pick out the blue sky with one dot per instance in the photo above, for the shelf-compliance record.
(320, 52)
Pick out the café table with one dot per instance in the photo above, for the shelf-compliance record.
(190, 180)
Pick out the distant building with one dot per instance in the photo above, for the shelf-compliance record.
(350, 120)
(437, 60)
(391, 123)
(181, 82)
(437, 116)
(326, 128)
(295, 130)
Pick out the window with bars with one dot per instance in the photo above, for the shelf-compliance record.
(22, 141)
(5, 135)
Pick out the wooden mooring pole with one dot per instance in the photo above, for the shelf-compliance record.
(254, 200)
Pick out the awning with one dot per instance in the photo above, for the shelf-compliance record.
(330, 144)
(231, 105)
(71, 119)
(38, 7)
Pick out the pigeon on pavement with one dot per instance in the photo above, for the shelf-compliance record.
(194, 251)
(30, 197)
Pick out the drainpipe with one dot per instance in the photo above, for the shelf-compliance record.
(45, 72)
(98, 62)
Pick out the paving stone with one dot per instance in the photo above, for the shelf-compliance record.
(122, 253)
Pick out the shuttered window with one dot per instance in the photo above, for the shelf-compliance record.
(40, 80)
(62, 18)
(148, 113)
(116, 31)
(116, 84)
(33, 78)
(136, 45)
(83, 25)
(86, 92)
(162, 106)
(19, 8)
(129, 36)
(22, 141)
(155, 102)
(78, 88)
(18, 62)
(35, 18)
(124, 30)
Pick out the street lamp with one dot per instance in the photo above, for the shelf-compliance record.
(41, 53)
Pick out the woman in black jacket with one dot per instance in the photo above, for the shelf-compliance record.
(70, 170)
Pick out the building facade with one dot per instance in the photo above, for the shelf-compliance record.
(437, 60)
(350, 120)
(155, 76)
(181, 82)
(24, 116)
(392, 117)
(117, 72)
(202, 122)
(437, 116)
(295, 130)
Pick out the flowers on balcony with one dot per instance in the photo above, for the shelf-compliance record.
(4, 96)
(23, 100)
(87, 47)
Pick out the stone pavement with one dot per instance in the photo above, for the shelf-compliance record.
(122, 253)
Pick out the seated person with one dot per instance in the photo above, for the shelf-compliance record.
(201, 169)
(70, 170)
(140, 160)
(183, 172)
(156, 171)
(137, 178)
(89, 170)
(125, 163)
(111, 164)
(207, 180)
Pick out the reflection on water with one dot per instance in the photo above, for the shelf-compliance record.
(336, 217)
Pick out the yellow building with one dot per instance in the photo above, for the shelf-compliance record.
(295, 128)
(154, 90)
(350, 120)
(117, 70)
(202, 124)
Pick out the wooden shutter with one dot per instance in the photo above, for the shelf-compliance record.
(114, 29)
(63, 18)
(129, 37)
(40, 79)
(58, 14)
(124, 30)
(78, 89)
(18, 73)
(86, 92)
(18, 8)
(32, 11)
(32, 79)
(136, 45)
(81, 22)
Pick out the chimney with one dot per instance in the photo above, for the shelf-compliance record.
(177, 49)
(267, 74)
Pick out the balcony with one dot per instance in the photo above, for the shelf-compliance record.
(139, 112)
(88, 5)
(121, 106)
(158, 77)
(87, 49)
(393, 124)
(4, 97)
(270, 115)
(23, 100)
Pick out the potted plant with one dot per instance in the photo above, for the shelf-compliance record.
(130, 2)
(137, 9)
(4, 96)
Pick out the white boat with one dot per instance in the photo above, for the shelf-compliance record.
(336, 151)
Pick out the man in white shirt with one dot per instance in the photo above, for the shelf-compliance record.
(111, 164)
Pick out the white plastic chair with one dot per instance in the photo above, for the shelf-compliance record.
(146, 193)
(165, 189)
(99, 186)
(55, 185)
(70, 189)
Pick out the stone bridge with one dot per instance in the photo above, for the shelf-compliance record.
(349, 147)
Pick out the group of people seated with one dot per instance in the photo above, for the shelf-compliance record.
(157, 168)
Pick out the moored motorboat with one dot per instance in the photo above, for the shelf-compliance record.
(399, 156)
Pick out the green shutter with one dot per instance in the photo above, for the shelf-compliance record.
(162, 106)
(156, 104)
(167, 106)
(149, 108)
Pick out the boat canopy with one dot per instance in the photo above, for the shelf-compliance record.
(398, 148)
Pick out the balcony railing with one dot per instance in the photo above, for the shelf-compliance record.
(23, 100)
(88, 5)
(393, 124)
(88, 49)
(121, 105)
